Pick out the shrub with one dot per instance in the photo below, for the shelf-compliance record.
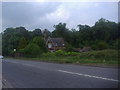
(40, 42)
(102, 45)
(71, 54)
(22, 43)
(59, 53)
(94, 47)
(69, 48)
(116, 44)
(106, 54)
(48, 54)
(32, 50)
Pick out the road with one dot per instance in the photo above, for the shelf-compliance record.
(34, 74)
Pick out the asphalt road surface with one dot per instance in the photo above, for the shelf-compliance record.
(34, 74)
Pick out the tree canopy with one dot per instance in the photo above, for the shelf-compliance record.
(104, 34)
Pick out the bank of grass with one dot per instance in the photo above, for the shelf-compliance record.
(103, 57)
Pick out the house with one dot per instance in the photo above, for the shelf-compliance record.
(54, 44)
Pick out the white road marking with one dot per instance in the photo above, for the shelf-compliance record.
(88, 75)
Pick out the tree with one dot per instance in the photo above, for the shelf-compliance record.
(102, 45)
(37, 32)
(83, 27)
(22, 43)
(11, 37)
(60, 30)
(105, 30)
(40, 42)
(99, 36)
(84, 35)
(46, 33)
(116, 44)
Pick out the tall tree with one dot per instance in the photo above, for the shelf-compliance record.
(40, 42)
(46, 33)
(22, 43)
(60, 30)
(37, 32)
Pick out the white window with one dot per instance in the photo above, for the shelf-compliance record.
(49, 45)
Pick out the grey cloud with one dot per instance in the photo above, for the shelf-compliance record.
(45, 15)
(24, 13)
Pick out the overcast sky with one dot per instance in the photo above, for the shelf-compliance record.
(32, 15)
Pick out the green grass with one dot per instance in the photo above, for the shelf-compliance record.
(102, 57)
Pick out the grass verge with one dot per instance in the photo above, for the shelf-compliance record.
(96, 58)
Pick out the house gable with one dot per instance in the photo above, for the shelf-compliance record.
(55, 43)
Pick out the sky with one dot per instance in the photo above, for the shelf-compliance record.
(45, 15)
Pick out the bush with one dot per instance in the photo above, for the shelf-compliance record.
(106, 54)
(40, 42)
(32, 50)
(100, 45)
(94, 47)
(117, 44)
(71, 54)
(69, 48)
(60, 53)
(48, 54)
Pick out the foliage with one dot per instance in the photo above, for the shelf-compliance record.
(104, 34)
(37, 32)
(91, 57)
(40, 42)
(46, 33)
(11, 38)
(61, 53)
(68, 48)
(22, 43)
(32, 50)
(62, 31)
(117, 44)
(100, 45)
(105, 54)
